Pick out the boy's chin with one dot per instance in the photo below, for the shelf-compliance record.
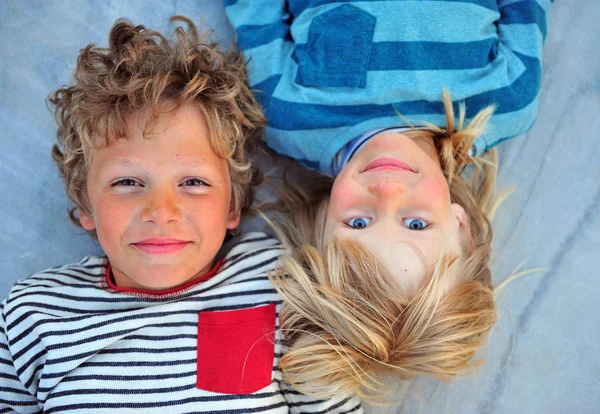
(159, 276)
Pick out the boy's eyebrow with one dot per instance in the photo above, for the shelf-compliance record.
(126, 162)
(116, 162)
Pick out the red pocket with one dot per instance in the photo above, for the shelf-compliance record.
(236, 350)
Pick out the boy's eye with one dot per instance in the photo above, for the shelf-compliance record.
(415, 224)
(195, 182)
(126, 182)
(359, 222)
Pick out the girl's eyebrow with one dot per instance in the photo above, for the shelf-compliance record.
(415, 234)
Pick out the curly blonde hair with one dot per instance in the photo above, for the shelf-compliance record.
(141, 70)
(347, 325)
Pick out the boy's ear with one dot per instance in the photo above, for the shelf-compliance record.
(233, 220)
(87, 222)
(464, 227)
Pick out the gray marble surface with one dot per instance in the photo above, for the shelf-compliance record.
(542, 357)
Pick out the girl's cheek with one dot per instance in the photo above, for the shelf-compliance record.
(435, 191)
(342, 193)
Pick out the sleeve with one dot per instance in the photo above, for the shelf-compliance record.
(263, 33)
(523, 25)
(521, 29)
(299, 403)
(14, 396)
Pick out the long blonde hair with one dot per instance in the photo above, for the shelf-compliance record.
(344, 323)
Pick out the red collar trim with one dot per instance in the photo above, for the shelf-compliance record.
(112, 285)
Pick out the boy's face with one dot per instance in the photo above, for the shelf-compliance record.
(393, 198)
(160, 204)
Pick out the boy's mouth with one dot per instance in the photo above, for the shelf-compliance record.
(161, 245)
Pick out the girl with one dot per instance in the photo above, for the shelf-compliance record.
(390, 260)
(389, 263)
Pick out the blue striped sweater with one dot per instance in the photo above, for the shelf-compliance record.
(70, 343)
(326, 71)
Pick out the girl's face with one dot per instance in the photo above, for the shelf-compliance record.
(393, 198)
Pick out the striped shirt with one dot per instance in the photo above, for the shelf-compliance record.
(327, 71)
(71, 343)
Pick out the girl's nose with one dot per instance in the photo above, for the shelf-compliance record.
(161, 207)
(387, 188)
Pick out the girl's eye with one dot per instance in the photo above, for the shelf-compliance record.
(195, 182)
(126, 182)
(415, 224)
(359, 222)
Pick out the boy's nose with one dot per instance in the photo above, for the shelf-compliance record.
(161, 209)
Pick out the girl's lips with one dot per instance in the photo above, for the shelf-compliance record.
(161, 248)
(388, 164)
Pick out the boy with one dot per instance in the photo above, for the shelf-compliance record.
(153, 135)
